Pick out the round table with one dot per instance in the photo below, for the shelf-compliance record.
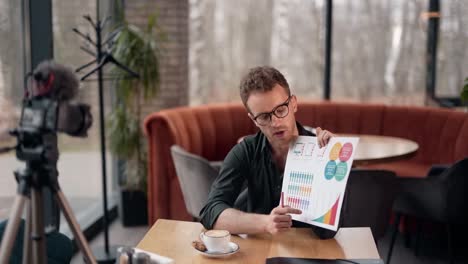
(376, 149)
(373, 149)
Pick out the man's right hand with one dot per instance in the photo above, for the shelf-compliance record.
(279, 219)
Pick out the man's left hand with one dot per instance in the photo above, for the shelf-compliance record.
(323, 136)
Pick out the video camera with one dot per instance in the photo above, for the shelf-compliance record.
(46, 110)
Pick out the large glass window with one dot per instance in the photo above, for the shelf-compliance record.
(11, 92)
(80, 161)
(229, 37)
(452, 52)
(378, 52)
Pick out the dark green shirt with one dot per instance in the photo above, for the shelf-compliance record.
(250, 162)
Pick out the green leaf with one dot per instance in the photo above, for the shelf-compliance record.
(464, 93)
(124, 133)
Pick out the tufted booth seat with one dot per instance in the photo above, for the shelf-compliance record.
(212, 130)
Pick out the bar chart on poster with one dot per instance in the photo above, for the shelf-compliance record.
(315, 178)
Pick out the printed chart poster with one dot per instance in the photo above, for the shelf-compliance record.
(315, 179)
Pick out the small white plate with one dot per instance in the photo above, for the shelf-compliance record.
(234, 249)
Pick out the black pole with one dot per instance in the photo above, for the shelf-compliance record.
(106, 255)
(328, 48)
(41, 35)
(103, 132)
(431, 53)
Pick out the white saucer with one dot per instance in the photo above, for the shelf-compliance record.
(234, 249)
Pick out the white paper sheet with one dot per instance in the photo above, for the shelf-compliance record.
(315, 179)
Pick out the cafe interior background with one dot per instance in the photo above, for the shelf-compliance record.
(410, 53)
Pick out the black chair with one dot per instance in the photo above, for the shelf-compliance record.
(440, 197)
(368, 200)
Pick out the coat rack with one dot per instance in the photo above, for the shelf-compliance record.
(102, 58)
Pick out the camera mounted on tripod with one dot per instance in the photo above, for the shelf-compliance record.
(47, 109)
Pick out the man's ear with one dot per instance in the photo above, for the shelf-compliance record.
(294, 102)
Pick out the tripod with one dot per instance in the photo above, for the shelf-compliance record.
(39, 173)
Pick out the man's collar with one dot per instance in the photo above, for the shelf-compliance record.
(302, 131)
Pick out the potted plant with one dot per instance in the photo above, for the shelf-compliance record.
(138, 50)
(464, 93)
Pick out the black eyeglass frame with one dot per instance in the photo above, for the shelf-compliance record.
(273, 112)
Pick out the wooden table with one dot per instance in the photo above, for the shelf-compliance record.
(173, 239)
(376, 149)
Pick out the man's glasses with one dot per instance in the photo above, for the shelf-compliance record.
(280, 111)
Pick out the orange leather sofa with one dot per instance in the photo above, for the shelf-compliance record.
(212, 130)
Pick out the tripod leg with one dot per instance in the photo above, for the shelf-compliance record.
(27, 232)
(12, 229)
(79, 237)
(37, 235)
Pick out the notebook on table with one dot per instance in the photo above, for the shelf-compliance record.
(282, 260)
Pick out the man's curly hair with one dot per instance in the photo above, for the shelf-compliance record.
(261, 79)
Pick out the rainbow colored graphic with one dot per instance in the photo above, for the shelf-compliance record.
(298, 203)
(330, 216)
(301, 177)
(299, 190)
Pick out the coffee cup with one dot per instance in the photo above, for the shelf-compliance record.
(216, 241)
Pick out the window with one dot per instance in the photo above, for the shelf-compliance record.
(80, 161)
(11, 92)
(229, 37)
(452, 54)
(378, 51)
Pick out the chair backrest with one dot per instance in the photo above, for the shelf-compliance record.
(456, 178)
(368, 200)
(195, 177)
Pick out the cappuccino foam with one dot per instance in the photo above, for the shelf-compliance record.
(217, 233)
